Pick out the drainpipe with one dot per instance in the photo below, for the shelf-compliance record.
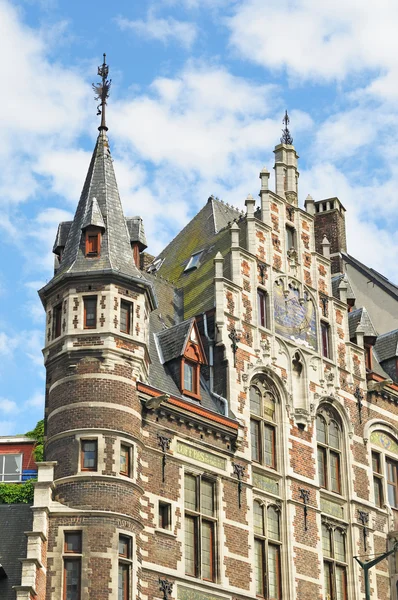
(221, 399)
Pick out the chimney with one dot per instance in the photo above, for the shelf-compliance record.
(330, 222)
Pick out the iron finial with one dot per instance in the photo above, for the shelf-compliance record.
(102, 92)
(286, 137)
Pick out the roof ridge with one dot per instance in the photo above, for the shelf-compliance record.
(176, 325)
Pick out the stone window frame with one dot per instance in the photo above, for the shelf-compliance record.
(265, 298)
(85, 298)
(265, 504)
(215, 519)
(325, 325)
(333, 562)
(264, 422)
(56, 329)
(75, 556)
(329, 414)
(129, 306)
(384, 456)
(122, 441)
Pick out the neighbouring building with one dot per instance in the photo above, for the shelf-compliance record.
(221, 420)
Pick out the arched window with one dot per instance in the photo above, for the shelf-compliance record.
(329, 442)
(262, 423)
(334, 562)
(385, 468)
(267, 542)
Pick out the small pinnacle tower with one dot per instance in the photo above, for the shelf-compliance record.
(286, 172)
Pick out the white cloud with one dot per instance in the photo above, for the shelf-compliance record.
(161, 29)
(8, 407)
(36, 400)
(7, 428)
(317, 40)
(7, 344)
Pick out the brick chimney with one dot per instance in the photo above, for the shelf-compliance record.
(330, 221)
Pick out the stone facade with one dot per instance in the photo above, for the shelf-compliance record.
(264, 489)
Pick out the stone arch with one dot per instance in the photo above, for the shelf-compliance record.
(340, 409)
(379, 424)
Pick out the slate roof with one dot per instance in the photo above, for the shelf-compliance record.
(116, 253)
(336, 280)
(93, 216)
(373, 275)
(62, 235)
(359, 320)
(135, 226)
(387, 345)
(208, 231)
(15, 519)
(172, 341)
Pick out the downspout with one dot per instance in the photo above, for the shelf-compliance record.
(221, 399)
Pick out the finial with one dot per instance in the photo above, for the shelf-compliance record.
(286, 137)
(102, 92)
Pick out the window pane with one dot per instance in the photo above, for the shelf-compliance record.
(89, 450)
(72, 579)
(328, 580)
(123, 581)
(391, 490)
(188, 377)
(207, 497)
(258, 518)
(339, 545)
(326, 542)
(262, 308)
(376, 462)
(325, 339)
(90, 312)
(255, 439)
(273, 523)
(334, 435)
(378, 490)
(125, 316)
(392, 482)
(190, 492)
(255, 400)
(12, 467)
(164, 515)
(269, 446)
(207, 550)
(124, 460)
(335, 472)
(73, 541)
(273, 573)
(259, 571)
(341, 584)
(190, 546)
(322, 467)
(321, 430)
(124, 546)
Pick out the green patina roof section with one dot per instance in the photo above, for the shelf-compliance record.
(199, 234)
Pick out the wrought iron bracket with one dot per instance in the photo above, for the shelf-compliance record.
(305, 496)
(359, 397)
(239, 471)
(164, 443)
(234, 337)
(166, 587)
(363, 518)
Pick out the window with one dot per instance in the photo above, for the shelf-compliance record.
(164, 515)
(325, 335)
(93, 243)
(125, 460)
(377, 479)
(10, 467)
(90, 312)
(126, 313)
(334, 563)
(190, 378)
(88, 455)
(194, 261)
(124, 567)
(72, 565)
(392, 482)
(57, 319)
(267, 544)
(290, 238)
(328, 435)
(262, 308)
(368, 357)
(200, 527)
(262, 426)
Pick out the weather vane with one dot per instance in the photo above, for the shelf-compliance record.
(102, 92)
(286, 137)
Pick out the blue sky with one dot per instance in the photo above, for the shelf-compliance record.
(198, 94)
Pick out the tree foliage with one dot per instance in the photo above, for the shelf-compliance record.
(38, 434)
(15, 493)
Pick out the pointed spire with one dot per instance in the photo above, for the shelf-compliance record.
(286, 137)
(102, 92)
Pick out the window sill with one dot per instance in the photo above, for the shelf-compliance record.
(167, 532)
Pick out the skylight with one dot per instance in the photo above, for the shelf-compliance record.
(194, 261)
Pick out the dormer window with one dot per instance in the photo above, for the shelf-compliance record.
(190, 377)
(194, 261)
(191, 360)
(93, 243)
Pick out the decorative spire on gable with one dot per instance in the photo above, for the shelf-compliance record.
(102, 91)
(286, 137)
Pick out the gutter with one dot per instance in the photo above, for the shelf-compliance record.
(221, 399)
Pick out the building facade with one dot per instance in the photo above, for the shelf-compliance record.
(219, 424)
